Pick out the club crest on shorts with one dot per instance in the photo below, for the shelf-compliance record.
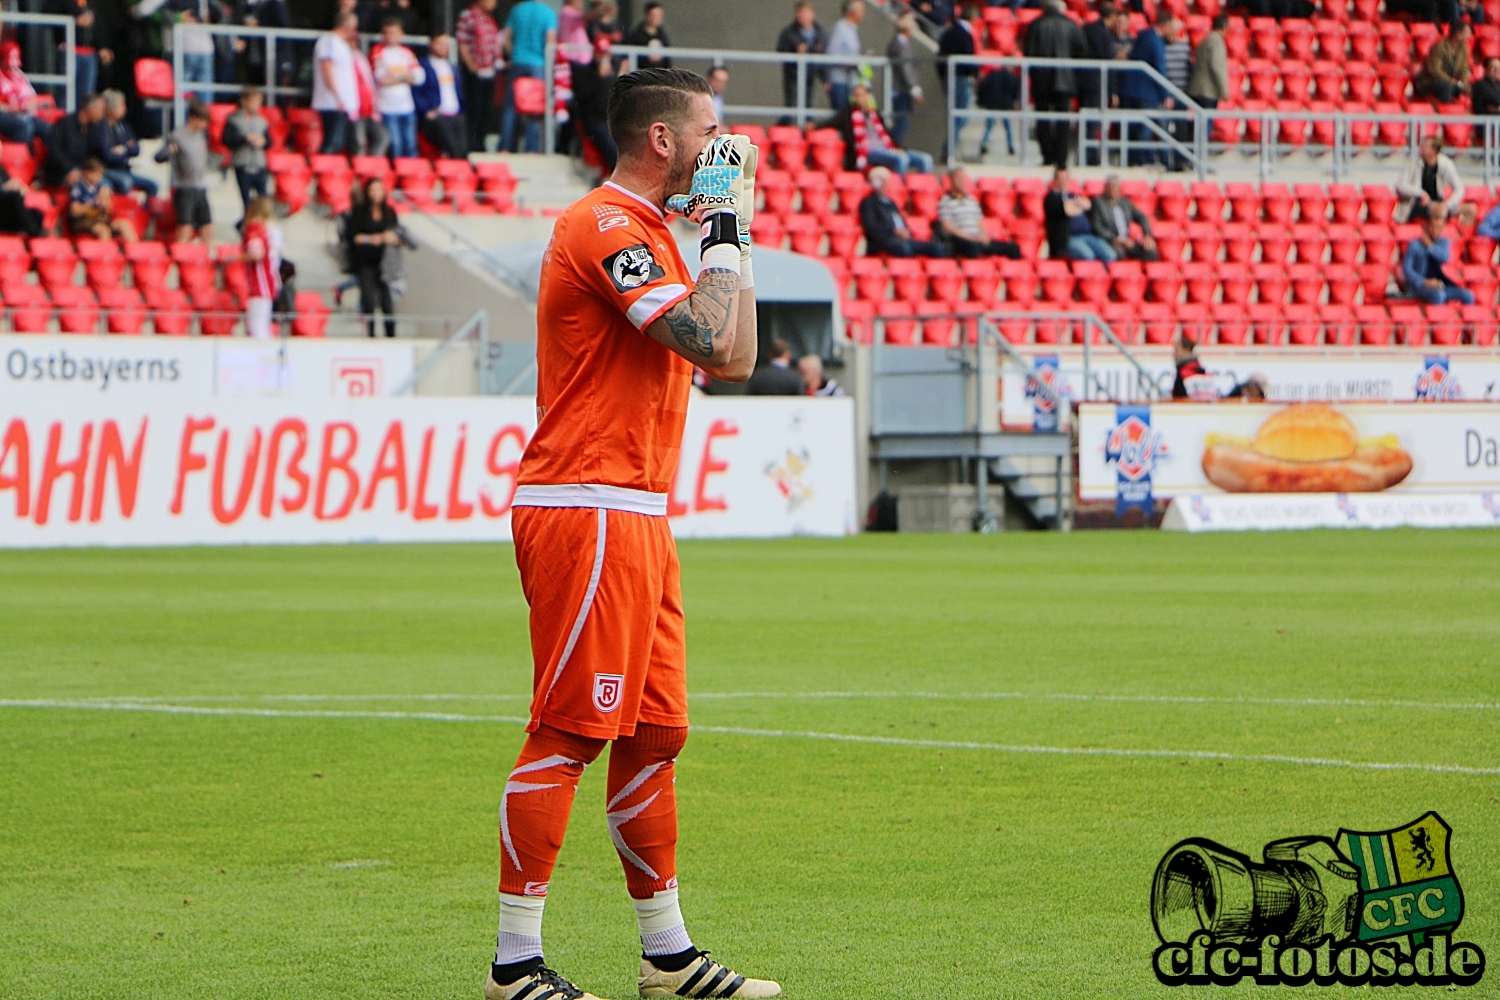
(535, 889)
(608, 689)
(632, 267)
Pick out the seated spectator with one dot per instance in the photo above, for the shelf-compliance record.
(1423, 182)
(885, 228)
(1111, 216)
(187, 149)
(776, 378)
(866, 141)
(247, 134)
(1422, 275)
(813, 381)
(1471, 9)
(112, 142)
(1252, 390)
(396, 71)
(591, 83)
(1445, 73)
(18, 120)
(439, 100)
(961, 222)
(1489, 226)
(88, 206)
(15, 216)
(69, 145)
(1069, 232)
(1486, 92)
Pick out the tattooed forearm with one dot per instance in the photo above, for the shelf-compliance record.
(700, 322)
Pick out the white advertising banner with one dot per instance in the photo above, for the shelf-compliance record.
(155, 368)
(96, 470)
(1292, 376)
(1201, 512)
(1135, 453)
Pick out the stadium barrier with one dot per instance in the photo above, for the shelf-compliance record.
(101, 470)
(68, 79)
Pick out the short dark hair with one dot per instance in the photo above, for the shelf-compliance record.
(780, 348)
(653, 5)
(93, 165)
(393, 19)
(197, 109)
(1164, 17)
(1221, 22)
(640, 99)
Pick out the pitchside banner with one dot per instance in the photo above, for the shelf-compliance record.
(1292, 376)
(101, 471)
(1128, 453)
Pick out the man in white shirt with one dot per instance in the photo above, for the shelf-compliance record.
(718, 82)
(335, 89)
(439, 100)
(396, 70)
(843, 40)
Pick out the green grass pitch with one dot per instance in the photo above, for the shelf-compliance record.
(313, 851)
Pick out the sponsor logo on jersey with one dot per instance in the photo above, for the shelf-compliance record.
(608, 689)
(632, 267)
(613, 222)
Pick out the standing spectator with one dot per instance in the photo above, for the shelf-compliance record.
(1143, 92)
(18, 120)
(1054, 36)
(776, 377)
(591, 85)
(935, 12)
(866, 141)
(906, 88)
(1108, 40)
(187, 148)
(1422, 274)
(604, 22)
(396, 71)
(885, 227)
(1069, 232)
(843, 40)
(247, 134)
(15, 216)
(401, 10)
(1178, 56)
(1445, 73)
(1110, 217)
(1486, 92)
(85, 40)
(999, 89)
(529, 29)
(1428, 179)
(961, 222)
(806, 36)
(439, 100)
(478, 40)
(372, 229)
(573, 42)
(112, 141)
(958, 40)
(335, 85)
(261, 252)
(197, 49)
(264, 14)
(813, 382)
(68, 146)
(1209, 83)
(88, 206)
(718, 82)
(650, 34)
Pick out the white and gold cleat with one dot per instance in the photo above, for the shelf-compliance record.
(703, 977)
(543, 984)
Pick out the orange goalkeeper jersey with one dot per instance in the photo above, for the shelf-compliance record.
(611, 402)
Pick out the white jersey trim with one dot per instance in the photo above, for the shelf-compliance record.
(592, 495)
(626, 191)
(655, 302)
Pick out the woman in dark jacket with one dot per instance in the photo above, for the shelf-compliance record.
(372, 228)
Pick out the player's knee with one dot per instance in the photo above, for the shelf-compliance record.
(550, 740)
(654, 744)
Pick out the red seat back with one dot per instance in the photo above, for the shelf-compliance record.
(530, 95)
(153, 80)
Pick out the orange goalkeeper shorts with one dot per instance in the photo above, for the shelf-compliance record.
(607, 638)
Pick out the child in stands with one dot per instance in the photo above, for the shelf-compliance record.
(261, 253)
(89, 203)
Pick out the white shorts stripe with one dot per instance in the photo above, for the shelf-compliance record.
(644, 309)
(592, 495)
(588, 602)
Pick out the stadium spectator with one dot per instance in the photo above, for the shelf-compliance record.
(252, 51)
(1473, 10)
(1178, 57)
(776, 378)
(1192, 381)
(396, 70)
(1486, 92)
(906, 88)
(1069, 232)
(604, 22)
(18, 120)
(404, 12)
(260, 250)
(439, 100)
(187, 149)
(1209, 83)
(1252, 390)
(1054, 36)
(1110, 218)
(843, 40)
(866, 141)
(936, 13)
(479, 51)
(88, 206)
(806, 36)
(15, 216)
(1423, 182)
(591, 85)
(1143, 92)
(960, 222)
(1422, 274)
(573, 42)
(999, 90)
(885, 227)
(247, 134)
(1438, 11)
(958, 40)
(113, 142)
(1445, 72)
(529, 29)
(718, 82)
(85, 35)
(197, 48)
(368, 12)
(336, 95)
(1489, 226)
(1108, 39)
(68, 146)
(372, 229)
(651, 34)
(368, 135)
(810, 367)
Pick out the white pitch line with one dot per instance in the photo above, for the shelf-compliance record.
(102, 706)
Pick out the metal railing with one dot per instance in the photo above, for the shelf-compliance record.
(68, 80)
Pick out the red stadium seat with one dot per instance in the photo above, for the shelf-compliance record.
(1165, 281)
(1171, 201)
(1205, 238)
(1360, 78)
(924, 192)
(1201, 281)
(1239, 243)
(1128, 281)
(1328, 79)
(1380, 244)
(870, 277)
(1171, 240)
(843, 235)
(944, 279)
(1092, 281)
(1311, 241)
(852, 188)
(938, 323)
(1482, 325)
(1276, 203)
(1343, 283)
(1296, 78)
(859, 316)
(997, 197)
(1267, 322)
(1275, 243)
(149, 263)
(1333, 37)
(1409, 325)
(1304, 327)
(1375, 279)
(218, 312)
(776, 191)
(755, 133)
(1030, 192)
(1244, 202)
(766, 230)
(1020, 281)
(1346, 202)
(827, 150)
(126, 311)
(1480, 280)
(1232, 322)
(1340, 329)
(1271, 283)
(169, 310)
(1027, 235)
(30, 309)
(1380, 202)
(908, 279)
(983, 277)
(1390, 133)
(1261, 74)
(789, 146)
(1307, 283)
(1312, 203)
(311, 315)
(1234, 284)
(816, 192)
(1056, 279)
(78, 311)
(153, 80)
(805, 233)
(1159, 319)
(1208, 202)
(899, 320)
(1477, 250)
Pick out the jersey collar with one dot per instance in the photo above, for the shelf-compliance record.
(626, 191)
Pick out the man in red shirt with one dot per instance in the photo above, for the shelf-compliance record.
(621, 325)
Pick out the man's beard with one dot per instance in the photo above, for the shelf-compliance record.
(680, 172)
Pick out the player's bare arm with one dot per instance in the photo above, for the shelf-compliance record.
(746, 342)
(702, 326)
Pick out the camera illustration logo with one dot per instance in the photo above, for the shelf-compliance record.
(1361, 908)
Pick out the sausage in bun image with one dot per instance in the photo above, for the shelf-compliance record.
(1305, 448)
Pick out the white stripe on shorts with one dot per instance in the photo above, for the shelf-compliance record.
(588, 602)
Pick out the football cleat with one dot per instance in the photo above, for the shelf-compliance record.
(703, 977)
(543, 984)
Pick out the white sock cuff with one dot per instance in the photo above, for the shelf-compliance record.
(659, 913)
(521, 915)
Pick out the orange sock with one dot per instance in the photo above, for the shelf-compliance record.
(535, 806)
(642, 809)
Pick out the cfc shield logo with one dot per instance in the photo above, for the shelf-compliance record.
(632, 267)
(608, 689)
